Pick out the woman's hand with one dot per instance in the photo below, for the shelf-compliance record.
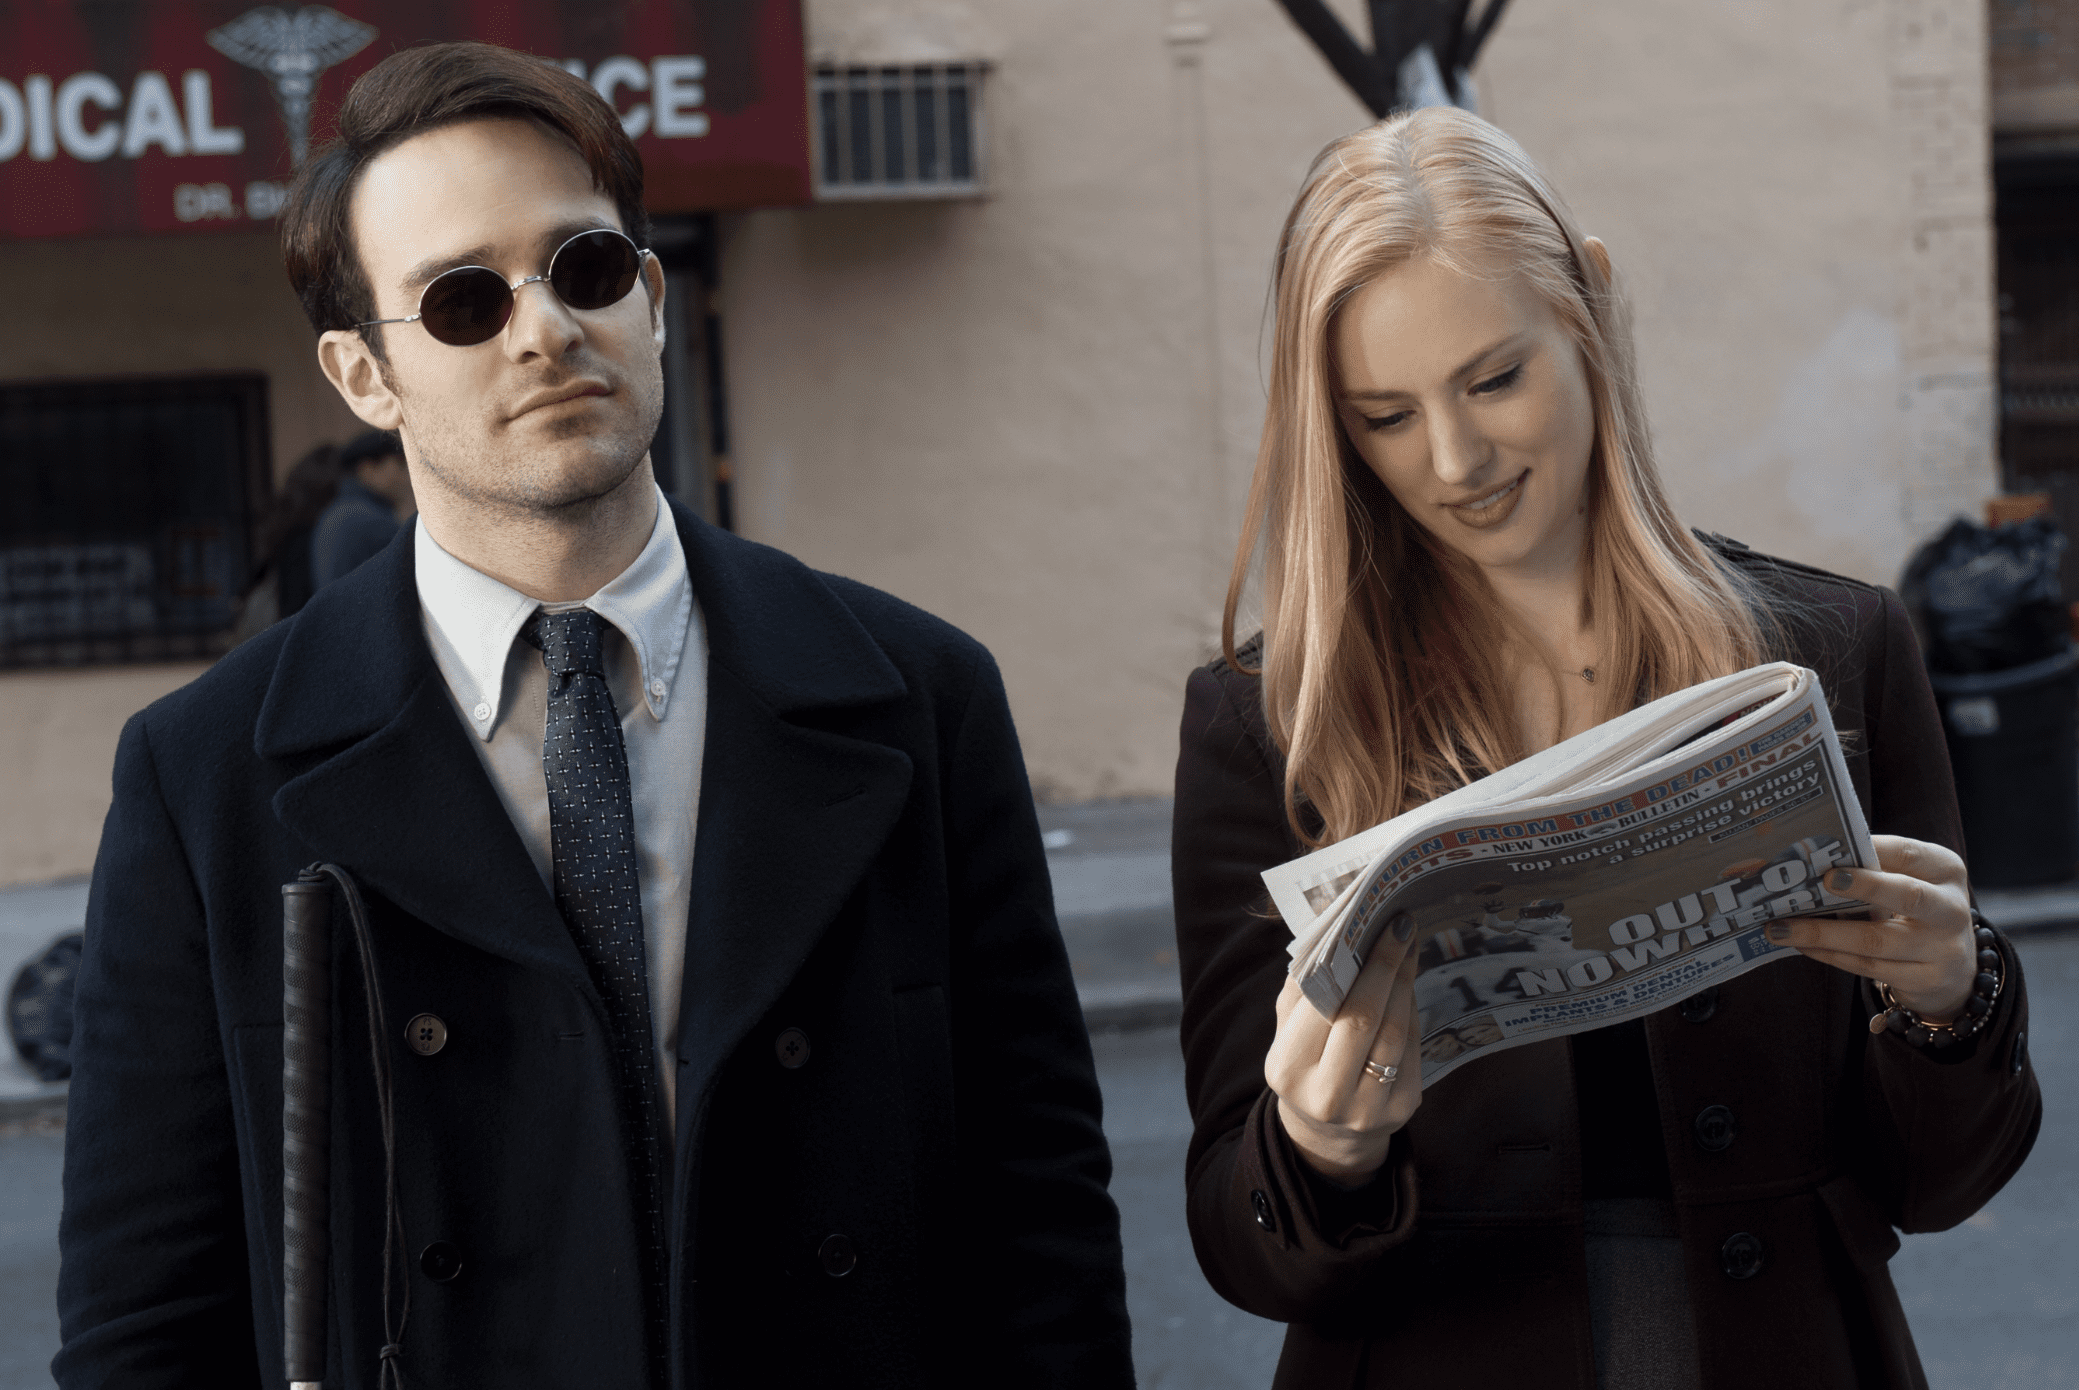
(1919, 939)
(1338, 1115)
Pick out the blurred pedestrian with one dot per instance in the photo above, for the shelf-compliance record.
(1468, 556)
(375, 498)
(281, 582)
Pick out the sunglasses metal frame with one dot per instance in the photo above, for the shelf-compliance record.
(642, 254)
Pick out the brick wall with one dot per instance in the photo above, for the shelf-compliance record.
(2034, 44)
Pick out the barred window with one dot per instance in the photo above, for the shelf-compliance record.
(125, 512)
(899, 132)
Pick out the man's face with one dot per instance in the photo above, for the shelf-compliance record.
(558, 409)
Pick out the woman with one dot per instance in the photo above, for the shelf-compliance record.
(1467, 556)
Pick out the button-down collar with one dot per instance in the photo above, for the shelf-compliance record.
(476, 618)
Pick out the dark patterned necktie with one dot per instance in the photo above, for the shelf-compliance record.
(592, 835)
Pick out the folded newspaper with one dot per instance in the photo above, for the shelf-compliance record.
(1609, 876)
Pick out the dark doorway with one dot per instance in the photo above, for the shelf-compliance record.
(2038, 226)
(691, 450)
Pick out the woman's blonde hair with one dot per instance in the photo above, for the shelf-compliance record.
(1382, 665)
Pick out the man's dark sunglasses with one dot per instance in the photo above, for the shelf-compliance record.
(472, 304)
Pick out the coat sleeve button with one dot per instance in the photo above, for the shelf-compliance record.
(426, 1034)
(1699, 1007)
(792, 1048)
(440, 1261)
(1715, 1129)
(1264, 1216)
(1742, 1255)
(838, 1255)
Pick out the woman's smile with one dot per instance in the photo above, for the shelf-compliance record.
(1492, 509)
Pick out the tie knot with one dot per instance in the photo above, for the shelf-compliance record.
(569, 642)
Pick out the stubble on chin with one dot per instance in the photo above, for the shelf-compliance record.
(560, 476)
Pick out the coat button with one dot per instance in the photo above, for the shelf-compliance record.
(1742, 1255)
(1264, 1217)
(426, 1034)
(2019, 1058)
(1715, 1129)
(1699, 1007)
(792, 1048)
(440, 1261)
(838, 1256)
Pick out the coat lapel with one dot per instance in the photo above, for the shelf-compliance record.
(396, 795)
(791, 814)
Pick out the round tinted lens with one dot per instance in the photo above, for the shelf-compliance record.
(465, 307)
(595, 269)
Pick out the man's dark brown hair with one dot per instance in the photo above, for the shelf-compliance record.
(423, 89)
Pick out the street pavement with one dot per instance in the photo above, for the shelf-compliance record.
(1994, 1303)
(31, 1156)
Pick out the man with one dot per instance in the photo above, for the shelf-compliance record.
(705, 892)
(374, 499)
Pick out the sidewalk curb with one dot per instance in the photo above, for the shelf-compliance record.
(1131, 1009)
(2047, 926)
(2018, 911)
(38, 1106)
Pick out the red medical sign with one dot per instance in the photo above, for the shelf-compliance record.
(190, 115)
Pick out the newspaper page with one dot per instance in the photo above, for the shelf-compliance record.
(1541, 917)
(1304, 888)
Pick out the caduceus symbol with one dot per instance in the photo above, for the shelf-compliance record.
(293, 50)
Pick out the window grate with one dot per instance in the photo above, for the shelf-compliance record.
(125, 512)
(899, 132)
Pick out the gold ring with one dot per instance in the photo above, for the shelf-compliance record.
(1381, 1074)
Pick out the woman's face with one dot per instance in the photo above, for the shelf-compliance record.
(1470, 401)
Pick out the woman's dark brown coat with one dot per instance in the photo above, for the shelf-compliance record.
(1469, 1269)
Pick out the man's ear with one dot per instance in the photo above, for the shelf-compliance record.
(359, 378)
(1600, 254)
(653, 281)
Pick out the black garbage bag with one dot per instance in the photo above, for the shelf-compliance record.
(1986, 598)
(39, 1008)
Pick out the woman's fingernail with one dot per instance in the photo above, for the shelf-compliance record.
(1403, 927)
(1779, 932)
(1840, 880)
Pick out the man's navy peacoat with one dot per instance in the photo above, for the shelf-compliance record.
(920, 1202)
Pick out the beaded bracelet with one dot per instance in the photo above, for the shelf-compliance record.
(1977, 1009)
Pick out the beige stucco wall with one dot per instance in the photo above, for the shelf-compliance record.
(58, 732)
(1797, 194)
(1035, 414)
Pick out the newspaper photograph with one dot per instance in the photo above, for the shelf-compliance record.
(1568, 911)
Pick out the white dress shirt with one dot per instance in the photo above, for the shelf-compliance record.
(655, 651)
